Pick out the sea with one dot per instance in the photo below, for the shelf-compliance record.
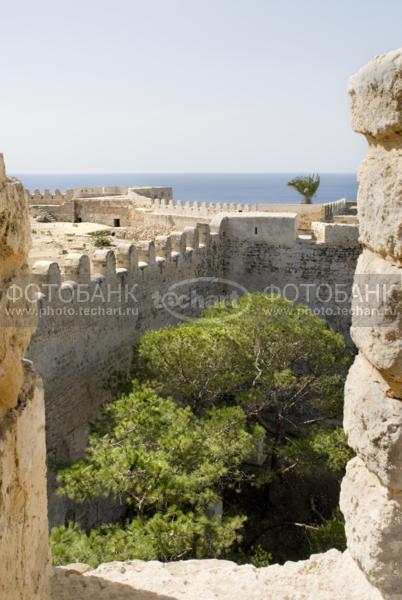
(247, 188)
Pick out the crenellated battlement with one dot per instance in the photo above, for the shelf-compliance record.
(130, 259)
(155, 206)
(47, 197)
(167, 207)
(152, 193)
(127, 260)
(185, 213)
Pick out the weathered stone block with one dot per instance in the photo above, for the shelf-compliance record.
(329, 576)
(380, 198)
(376, 92)
(15, 237)
(335, 233)
(276, 229)
(377, 311)
(24, 556)
(373, 422)
(373, 518)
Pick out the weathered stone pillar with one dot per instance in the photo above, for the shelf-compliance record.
(371, 497)
(24, 554)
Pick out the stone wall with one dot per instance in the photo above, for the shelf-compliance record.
(329, 576)
(114, 212)
(155, 206)
(113, 205)
(58, 197)
(80, 352)
(91, 315)
(264, 253)
(59, 212)
(24, 555)
(371, 497)
(181, 214)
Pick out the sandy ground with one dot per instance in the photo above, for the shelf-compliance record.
(52, 241)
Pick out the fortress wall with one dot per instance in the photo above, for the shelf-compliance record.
(144, 191)
(61, 212)
(174, 220)
(96, 192)
(178, 212)
(47, 197)
(155, 206)
(151, 193)
(332, 209)
(94, 210)
(58, 197)
(181, 214)
(24, 554)
(307, 213)
(106, 211)
(318, 273)
(81, 353)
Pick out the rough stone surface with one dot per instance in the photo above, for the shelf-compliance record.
(373, 422)
(24, 555)
(14, 244)
(373, 518)
(371, 496)
(275, 229)
(329, 576)
(335, 233)
(376, 93)
(379, 198)
(377, 315)
(316, 273)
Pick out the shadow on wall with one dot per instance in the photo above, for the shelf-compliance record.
(71, 585)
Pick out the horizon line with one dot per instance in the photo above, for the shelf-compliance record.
(182, 172)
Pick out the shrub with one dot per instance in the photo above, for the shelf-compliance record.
(262, 353)
(169, 466)
(169, 536)
(101, 240)
(330, 534)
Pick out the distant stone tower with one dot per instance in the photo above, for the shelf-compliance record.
(371, 497)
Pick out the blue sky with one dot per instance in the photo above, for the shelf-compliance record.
(185, 85)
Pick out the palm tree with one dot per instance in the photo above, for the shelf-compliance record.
(306, 185)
